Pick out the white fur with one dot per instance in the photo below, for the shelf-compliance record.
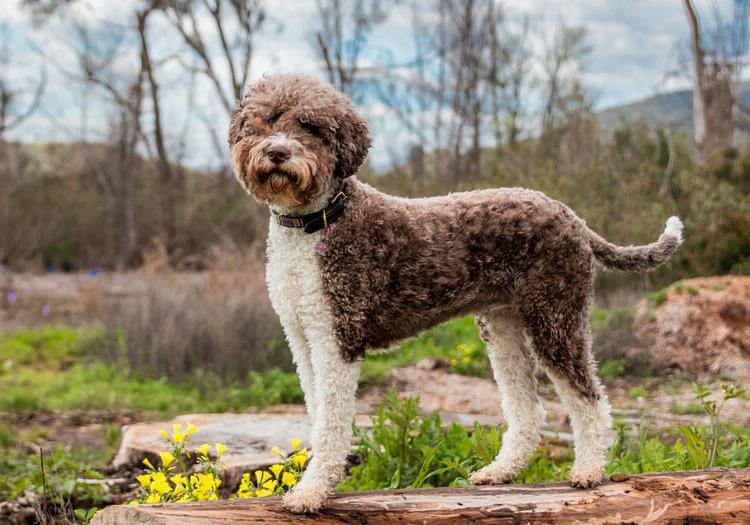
(674, 228)
(514, 370)
(590, 421)
(328, 381)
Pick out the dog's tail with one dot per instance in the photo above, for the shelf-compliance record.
(638, 258)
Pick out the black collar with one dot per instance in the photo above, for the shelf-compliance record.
(316, 220)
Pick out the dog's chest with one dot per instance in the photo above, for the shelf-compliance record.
(293, 272)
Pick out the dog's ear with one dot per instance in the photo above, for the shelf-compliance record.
(236, 124)
(352, 143)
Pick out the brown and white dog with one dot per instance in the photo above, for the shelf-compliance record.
(351, 269)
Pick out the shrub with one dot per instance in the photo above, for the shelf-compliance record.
(220, 321)
(406, 450)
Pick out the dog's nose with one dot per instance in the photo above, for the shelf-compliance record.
(278, 153)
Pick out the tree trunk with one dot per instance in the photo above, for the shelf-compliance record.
(713, 99)
(166, 172)
(710, 496)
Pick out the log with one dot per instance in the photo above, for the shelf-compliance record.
(708, 496)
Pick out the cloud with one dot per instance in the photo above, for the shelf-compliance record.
(633, 44)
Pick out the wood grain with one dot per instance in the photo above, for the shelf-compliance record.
(709, 496)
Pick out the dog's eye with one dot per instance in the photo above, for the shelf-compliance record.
(311, 128)
(274, 117)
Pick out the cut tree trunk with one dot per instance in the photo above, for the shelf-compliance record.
(709, 496)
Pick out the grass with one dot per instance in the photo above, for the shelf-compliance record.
(406, 450)
(58, 369)
(63, 465)
(656, 299)
(449, 341)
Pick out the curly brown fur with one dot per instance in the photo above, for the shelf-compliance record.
(329, 141)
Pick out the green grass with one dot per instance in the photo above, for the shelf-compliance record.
(20, 464)
(449, 341)
(406, 450)
(637, 392)
(656, 299)
(60, 368)
(613, 368)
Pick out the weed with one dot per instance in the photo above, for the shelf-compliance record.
(692, 290)
(612, 369)
(656, 299)
(637, 392)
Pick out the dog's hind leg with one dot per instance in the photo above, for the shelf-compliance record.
(513, 368)
(562, 343)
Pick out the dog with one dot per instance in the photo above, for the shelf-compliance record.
(352, 270)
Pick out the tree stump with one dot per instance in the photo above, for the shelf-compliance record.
(709, 496)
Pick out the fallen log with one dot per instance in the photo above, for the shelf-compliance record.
(708, 496)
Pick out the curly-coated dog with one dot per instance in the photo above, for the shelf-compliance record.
(351, 269)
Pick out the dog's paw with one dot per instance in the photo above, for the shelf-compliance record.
(491, 476)
(586, 479)
(303, 500)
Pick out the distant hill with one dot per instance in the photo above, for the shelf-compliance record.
(671, 110)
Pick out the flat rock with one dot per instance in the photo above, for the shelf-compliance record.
(249, 438)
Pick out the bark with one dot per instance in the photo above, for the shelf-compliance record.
(166, 171)
(711, 496)
(713, 99)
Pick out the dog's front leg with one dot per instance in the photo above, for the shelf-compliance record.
(301, 355)
(335, 388)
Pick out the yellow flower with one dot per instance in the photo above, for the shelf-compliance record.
(177, 434)
(262, 493)
(296, 443)
(178, 480)
(190, 429)
(261, 476)
(270, 485)
(220, 449)
(465, 360)
(154, 497)
(163, 433)
(144, 480)
(288, 479)
(159, 483)
(276, 469)
(203, 449)
(148, 463)
(278, 452)
(166, 458)
(454, 362)
(300, 458)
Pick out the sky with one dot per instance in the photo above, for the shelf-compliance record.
(634, 45)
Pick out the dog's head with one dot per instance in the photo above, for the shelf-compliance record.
(292, 137)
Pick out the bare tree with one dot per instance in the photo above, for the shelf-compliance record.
(236, 24)
(13, 108)
(517, 80)
(116, 175)
(565, 98)
(167, 178)
(341, 37)
(716, 65)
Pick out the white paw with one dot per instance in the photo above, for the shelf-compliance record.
(491, 475)
(586, 478)
(303, 499)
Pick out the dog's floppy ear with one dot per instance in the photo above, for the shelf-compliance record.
(236, 124)
(352, 143)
